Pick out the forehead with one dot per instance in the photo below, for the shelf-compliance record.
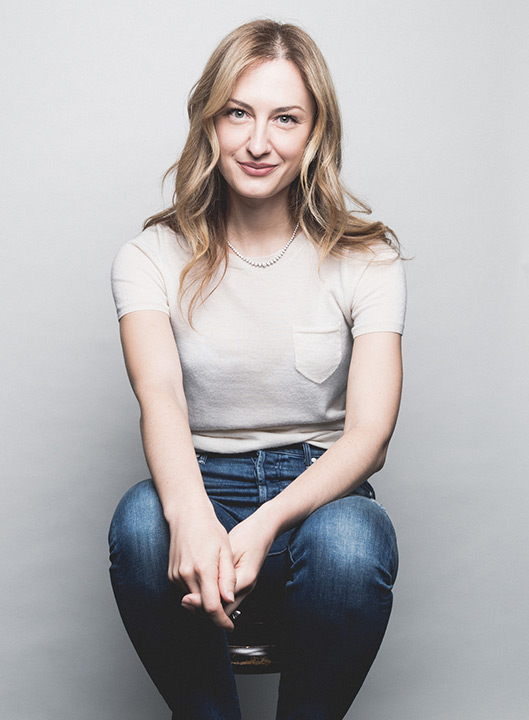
(276, 82)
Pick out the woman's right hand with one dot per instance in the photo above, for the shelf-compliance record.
(201, 561)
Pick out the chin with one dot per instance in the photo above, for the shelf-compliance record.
(257, 195)
(257, 190)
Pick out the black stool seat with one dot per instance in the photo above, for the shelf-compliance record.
(254, 645)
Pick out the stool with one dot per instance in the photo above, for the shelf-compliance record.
(254, 645)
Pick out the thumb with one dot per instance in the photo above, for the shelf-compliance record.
(245, 580)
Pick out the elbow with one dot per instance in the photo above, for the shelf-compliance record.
(375, 443)
(380, 459)
(159, 395)
(161, 405)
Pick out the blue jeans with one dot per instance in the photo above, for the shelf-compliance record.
(330, 579)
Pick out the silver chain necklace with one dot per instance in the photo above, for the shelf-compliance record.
(265, 263)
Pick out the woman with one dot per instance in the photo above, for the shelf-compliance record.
(261, 423)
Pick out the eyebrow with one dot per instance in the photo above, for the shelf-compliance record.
(285, 109)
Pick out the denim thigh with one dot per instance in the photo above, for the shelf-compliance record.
(238, 484)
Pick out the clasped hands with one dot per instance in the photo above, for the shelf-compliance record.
(217, 568)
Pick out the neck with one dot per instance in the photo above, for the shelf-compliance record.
(258, 229)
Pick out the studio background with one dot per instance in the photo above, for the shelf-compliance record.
(435, 110)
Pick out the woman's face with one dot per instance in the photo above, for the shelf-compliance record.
(263, 129)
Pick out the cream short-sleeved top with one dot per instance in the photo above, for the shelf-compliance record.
(266, 361)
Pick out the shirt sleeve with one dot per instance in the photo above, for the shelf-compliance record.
(379, 302)
(137, 280)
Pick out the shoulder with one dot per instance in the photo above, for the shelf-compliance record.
(146, 270)
(369, 285)
(377, 288)
(353, 264)
(376, 258)
(157, 242)
(378, 265)
(376, 252)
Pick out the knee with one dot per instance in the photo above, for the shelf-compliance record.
(138, 519)
(346, 545)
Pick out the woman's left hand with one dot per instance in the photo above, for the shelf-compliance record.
(250, 542)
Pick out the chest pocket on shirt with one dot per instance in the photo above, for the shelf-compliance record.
(317, 351)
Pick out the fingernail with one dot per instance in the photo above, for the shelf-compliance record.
(230, 596)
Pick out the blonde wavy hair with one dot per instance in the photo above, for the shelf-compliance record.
(318, 199)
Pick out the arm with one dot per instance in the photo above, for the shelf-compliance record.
(200, 557)
(373, 397)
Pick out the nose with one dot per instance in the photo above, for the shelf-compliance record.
(258, 141)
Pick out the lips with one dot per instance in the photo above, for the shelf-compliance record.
(256, 169)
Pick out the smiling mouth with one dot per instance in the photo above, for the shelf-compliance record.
(256, 169)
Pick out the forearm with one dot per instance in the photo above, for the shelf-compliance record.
(357, 455)
(170, 455)
(373, 397)
(200, 557)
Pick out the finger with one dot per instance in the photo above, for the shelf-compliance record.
(184, 577)
(226, 576)
(230, 609)
(211, 602)
(245, 585)
(194, 600)
(190, 608)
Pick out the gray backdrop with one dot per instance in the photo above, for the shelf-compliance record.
(434, 101)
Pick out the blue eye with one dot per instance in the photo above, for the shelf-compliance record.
(237, 113)
(286, 119)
